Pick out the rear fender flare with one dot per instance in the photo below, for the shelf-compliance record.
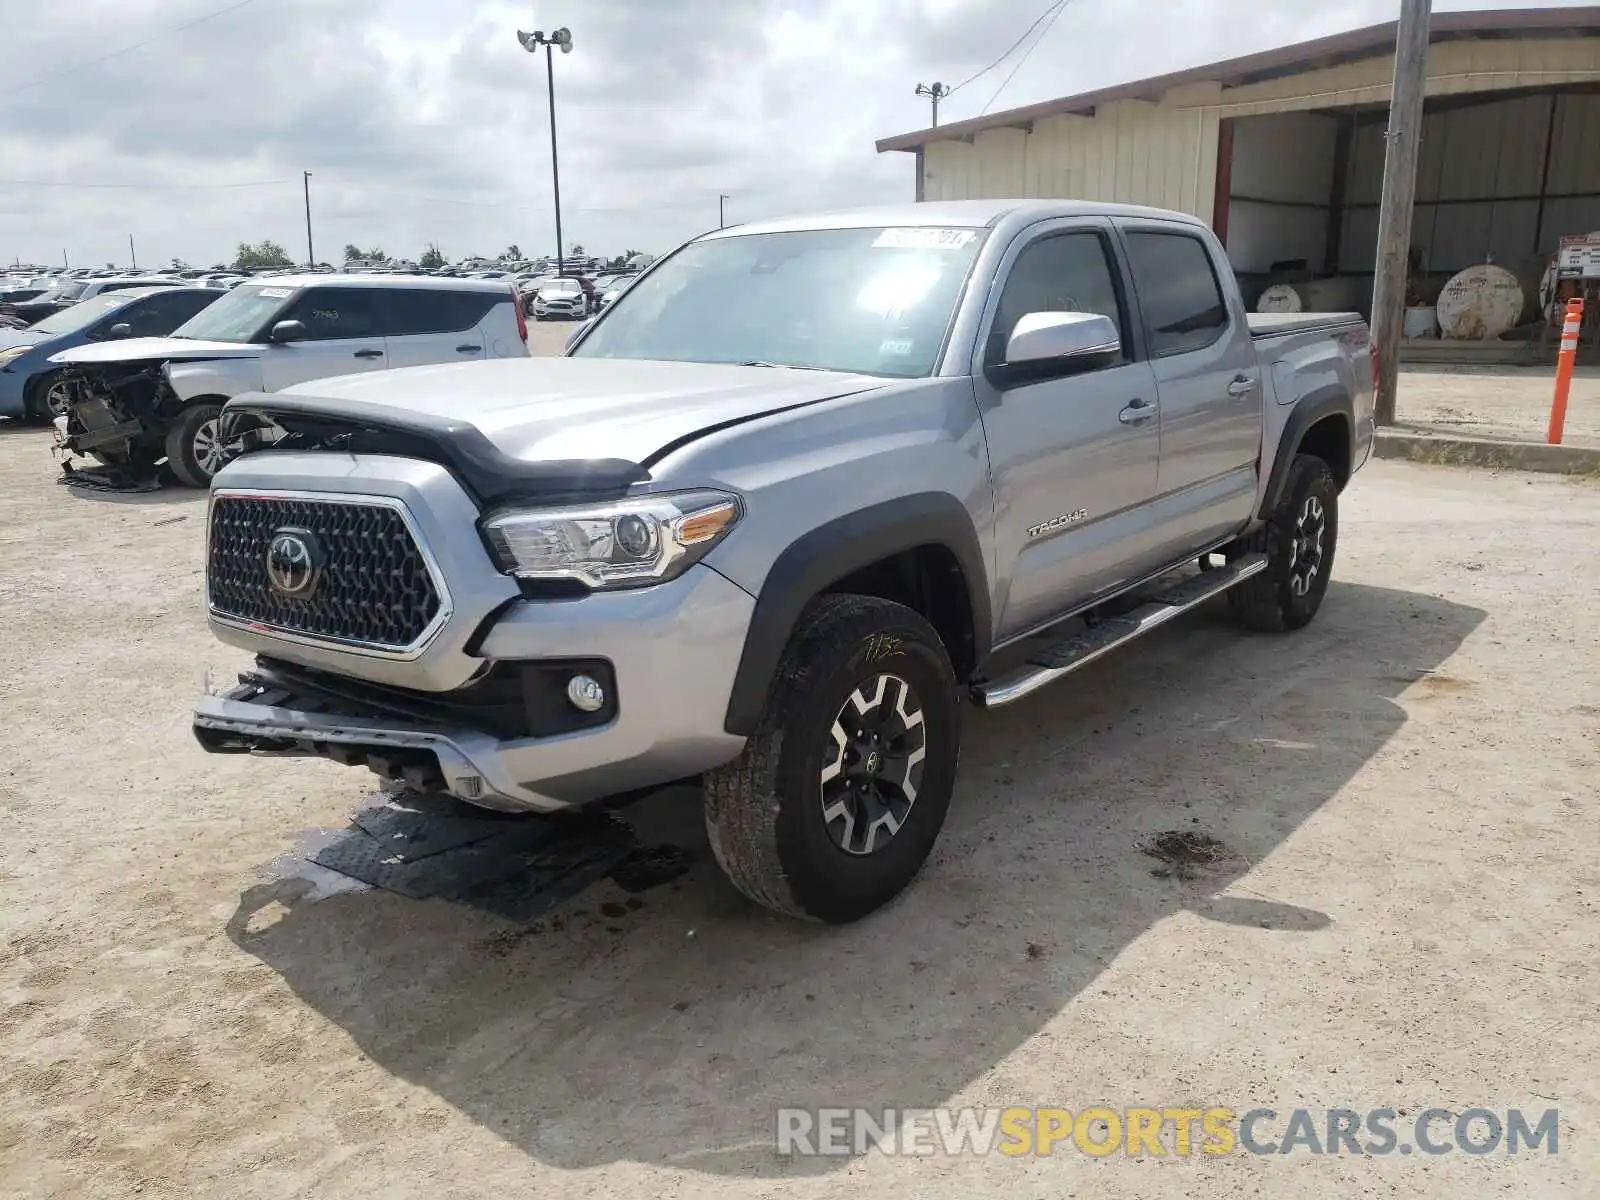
(1328, 401)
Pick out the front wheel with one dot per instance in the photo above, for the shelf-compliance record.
(194, 445)
(839, 795)
(1299, 541)
(46, 398)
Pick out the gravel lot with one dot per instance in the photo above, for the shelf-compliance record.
(1409, 918)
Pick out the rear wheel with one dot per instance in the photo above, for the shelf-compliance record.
(1299, 540)
(841, 792)
(194, 445)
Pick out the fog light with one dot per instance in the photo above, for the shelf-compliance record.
(585, 694)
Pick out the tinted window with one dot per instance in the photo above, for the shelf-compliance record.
(333, 313)
(1070, 272)
(414, 311)
(157, 316)
(1178, 293)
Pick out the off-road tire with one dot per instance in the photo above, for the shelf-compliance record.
(764, 811)
(180, 445)
(1268, 602)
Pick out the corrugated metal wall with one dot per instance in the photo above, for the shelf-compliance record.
(1140, 152)
(1281, 189)
(1479, 179)
(1129, 152)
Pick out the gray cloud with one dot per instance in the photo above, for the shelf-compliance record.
(425, 121)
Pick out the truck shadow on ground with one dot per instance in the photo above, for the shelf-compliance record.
(671, 1033)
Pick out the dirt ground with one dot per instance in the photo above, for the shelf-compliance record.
(1498, 402)
(1408, 918)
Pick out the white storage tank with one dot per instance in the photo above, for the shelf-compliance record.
(1480, 303)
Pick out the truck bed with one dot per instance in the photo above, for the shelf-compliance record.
(1266, 325)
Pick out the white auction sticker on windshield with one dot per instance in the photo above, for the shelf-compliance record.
(276, 293)
(925, 239)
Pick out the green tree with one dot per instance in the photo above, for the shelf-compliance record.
(262, 254)
(513, 253)
(431, 259)
(352, 252)
(576, 251)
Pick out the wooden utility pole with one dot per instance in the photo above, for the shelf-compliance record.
(1399, 192)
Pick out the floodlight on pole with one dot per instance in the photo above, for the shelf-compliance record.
(531, 43)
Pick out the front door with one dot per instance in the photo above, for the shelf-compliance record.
(344, 336)
(1073, 459)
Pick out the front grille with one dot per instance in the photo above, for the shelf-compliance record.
(374, 588)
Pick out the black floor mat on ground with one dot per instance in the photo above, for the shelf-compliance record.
(517, 867)
(110, 479)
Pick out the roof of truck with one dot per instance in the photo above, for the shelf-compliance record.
(971, 214)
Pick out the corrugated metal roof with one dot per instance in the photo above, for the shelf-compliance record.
(1330, 51)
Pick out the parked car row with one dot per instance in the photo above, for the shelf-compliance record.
(136, 376)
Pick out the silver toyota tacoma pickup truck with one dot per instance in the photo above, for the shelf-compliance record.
(774, 514)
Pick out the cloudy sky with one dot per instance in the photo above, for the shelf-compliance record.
(424, 121)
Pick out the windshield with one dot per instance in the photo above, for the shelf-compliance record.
(64, 291)
(871, 301)
(237, 317)
(558, 286)
(81, 314)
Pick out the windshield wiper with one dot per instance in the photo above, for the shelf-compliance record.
(761, 362)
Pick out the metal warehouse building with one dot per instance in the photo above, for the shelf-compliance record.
(1283, 151)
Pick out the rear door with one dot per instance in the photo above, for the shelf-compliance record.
(344, 336)
(435, 325)
(1073, 458)
(1209, 381)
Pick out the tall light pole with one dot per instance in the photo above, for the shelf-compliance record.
(1399, 193)
(531, 43)
(722, 222)
(311, 254)
(936, 93)
(132, 256)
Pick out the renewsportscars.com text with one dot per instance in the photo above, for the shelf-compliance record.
(1178, 1131)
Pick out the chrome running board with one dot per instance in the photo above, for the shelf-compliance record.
(1065, 657)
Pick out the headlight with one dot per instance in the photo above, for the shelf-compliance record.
(626, 543)
(13, 353)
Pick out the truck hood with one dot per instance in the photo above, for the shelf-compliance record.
(567, 409)
(169, 349)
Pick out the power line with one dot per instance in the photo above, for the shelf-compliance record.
(95, 62)
(1025, 55)
(164, 187)
(1052, 11)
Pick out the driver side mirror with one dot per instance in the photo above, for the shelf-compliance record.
(1045, 345)
(285, 332)
(120, 330)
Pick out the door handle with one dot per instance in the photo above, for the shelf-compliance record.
(369, 353)
(1137, 413)
(468, 349)
(1242, 385)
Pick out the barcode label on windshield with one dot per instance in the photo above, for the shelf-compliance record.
(924, 239)
(276, 293)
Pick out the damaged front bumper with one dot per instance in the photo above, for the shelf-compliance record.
(260, 716)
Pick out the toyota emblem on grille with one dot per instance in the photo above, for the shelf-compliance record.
(294, 563)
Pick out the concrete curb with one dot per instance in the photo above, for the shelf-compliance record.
(1447, 450)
